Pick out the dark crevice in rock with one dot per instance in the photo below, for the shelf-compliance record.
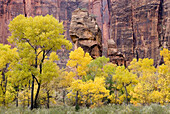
(1, 8)
(160, 24)
(160, 29)
(102, 18)
(8, 2)
(135, 52)
(109, 9)
(25, 12)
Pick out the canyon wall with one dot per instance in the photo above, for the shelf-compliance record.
(140, 28)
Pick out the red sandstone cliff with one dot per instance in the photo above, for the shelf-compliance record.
(138, 27)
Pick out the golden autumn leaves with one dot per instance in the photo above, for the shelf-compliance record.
(140, 83)
(36, 39)
(97, 81)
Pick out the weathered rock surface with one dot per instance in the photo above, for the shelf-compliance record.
(113, 54)
(8, 10)
(85, 33)
(166, 24)
(139, 27)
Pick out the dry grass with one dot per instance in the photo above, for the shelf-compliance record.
(108, 109)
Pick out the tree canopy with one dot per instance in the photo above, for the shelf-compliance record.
(36, 37)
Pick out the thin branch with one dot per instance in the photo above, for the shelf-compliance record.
(42, 60)
(39, 52)
(128, 84)
(48, 51)
(35, 79)
(28, 42)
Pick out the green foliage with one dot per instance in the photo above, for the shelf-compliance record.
(95, 68)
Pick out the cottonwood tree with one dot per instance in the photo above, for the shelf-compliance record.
(124, 80)
(78, 62)
(162, 94)
(35, 38)
(91, 93)
(147, 80)
(7, 56)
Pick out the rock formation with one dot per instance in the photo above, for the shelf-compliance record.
(140, 28)
(85, 33)
(113, 54)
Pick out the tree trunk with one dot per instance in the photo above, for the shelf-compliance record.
(3, 102)
(28, 95)
(115, 96)
(126, 95)
(39, 83)
(4, 85)
(32, 93)
(24, 101)
(48, 100)
(32, 88)
(36, 97)
(64, 96)
(17, 98)
(77, 106)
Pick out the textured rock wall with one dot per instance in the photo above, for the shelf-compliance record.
(145, 16)
(166, 24)
(139, 27)
(8, 10)
(113, 54)
(121, 27)
(60, 9)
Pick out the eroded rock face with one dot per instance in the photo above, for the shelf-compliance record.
(113, 54)
(140, 28)
(166, 24)
(8, 10)
(85, 32)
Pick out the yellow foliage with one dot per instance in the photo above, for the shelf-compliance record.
(79, 60)
(91, 92)
(166, 54)
(7, 57)
(66, 79)
(153, 86)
